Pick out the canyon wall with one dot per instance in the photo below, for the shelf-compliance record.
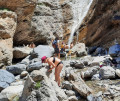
(101, 25)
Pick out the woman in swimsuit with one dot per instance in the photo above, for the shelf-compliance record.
(55, 63)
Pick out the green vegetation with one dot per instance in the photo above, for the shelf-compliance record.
(16, 98)
(5, 9)
(40, 4)
(37, 86)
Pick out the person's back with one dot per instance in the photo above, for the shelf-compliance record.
(55, 60)
(54, 43)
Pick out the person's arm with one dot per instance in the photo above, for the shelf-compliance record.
(51, 63)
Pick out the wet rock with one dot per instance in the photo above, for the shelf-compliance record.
(6, 78)
(16, 69)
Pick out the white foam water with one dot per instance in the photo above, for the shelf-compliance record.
(80, 9)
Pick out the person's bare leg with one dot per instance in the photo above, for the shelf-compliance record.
(57, 73)
(59, 55)
(56, 78)
(59, 81)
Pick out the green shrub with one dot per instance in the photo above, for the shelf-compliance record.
(37, 86)
(5, 9)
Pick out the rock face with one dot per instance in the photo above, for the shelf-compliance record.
(24, 10)
(39, 21)
(104, 19)
(8, 24)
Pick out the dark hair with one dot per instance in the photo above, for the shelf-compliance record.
(56, 38)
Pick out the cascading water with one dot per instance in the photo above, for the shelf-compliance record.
(80, 9)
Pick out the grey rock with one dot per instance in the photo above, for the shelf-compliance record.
(34, 66)
(21, 52)
(70, 93)
(107, 72)
(67, 85)
(95, 77)
(43, 50)
(37, 75)
(90, 72)
(6, 78)
(28, 86)
(72, 98)
(79, 49)
(16, 69)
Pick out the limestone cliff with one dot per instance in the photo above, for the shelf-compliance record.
(39, 21)
(8, 23)
(24, 10)
(101, 25)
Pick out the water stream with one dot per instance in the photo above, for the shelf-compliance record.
(80, 9)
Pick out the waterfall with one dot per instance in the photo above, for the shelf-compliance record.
(80, 9)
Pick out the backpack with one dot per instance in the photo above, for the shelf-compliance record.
(54, 43)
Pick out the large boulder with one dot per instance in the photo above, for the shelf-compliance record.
(43, 50)
(5, 79)
(100, 51)
(79, 85)
(8, 24)
(9, 93)
(117, 71)
(114, 50)
(107, 72)
(16, 69)
(90, 72)
(28, 86)
(21, 52)
(79, 49)
(34, 66)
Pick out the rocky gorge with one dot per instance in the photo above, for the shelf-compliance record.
(93, 26)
